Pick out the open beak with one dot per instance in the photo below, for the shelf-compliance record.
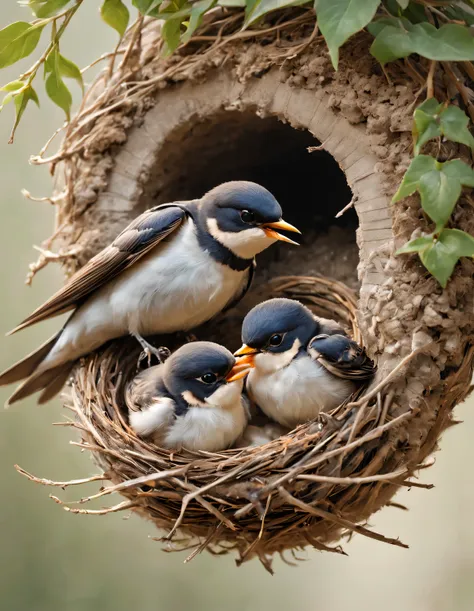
(269, 229)
(241, 368)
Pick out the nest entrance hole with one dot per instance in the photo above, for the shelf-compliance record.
(310, 186)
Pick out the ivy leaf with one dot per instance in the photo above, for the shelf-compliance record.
(441, 257)
(439, 185)
(439, 194)
(55, 87)
(432, 119)
(451, 42)
(21, 101)
(416, 245)
(454, 126)
(115, 14)
(197, 11)
(45, 8)
(458, 170)
(419, 166)
(426, 124)
(338, 20)
(17, 41)
(258, 8)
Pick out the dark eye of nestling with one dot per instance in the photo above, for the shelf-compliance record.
(247, 216)
(209, 378)
(275, 340)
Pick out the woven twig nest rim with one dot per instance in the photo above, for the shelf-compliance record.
(305, 488)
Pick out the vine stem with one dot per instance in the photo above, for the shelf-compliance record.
(430, 80)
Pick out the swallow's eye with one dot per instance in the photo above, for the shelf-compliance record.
(209, 378)
(275, 340)
(247, 216)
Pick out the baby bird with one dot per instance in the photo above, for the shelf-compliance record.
(301, 364)
(192, 401)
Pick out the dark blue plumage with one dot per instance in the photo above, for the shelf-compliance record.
(279, 316)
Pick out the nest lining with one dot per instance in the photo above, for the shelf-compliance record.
(115, 164)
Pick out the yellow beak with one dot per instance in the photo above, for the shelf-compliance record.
(241, 368)
(247, 352)
(269, 229)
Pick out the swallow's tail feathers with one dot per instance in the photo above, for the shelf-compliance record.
(50, 382)
(27, 366)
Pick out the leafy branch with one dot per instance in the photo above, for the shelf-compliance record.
(438, 31)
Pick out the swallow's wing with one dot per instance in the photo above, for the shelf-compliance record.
(342, 357)
(143, 234)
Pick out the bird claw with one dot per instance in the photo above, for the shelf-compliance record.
(161, 353)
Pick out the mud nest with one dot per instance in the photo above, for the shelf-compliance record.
(231, 107)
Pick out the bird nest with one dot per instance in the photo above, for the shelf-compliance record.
(308, 487)
(152, 131)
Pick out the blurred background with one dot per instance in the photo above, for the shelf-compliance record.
(51, 560)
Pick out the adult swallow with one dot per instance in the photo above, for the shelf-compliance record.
(173, 268)
(302, 364)
(193, 401)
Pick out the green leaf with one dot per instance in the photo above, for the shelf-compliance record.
(197, 11)
(68, 69)
(451, 42)
(403, 3)
(171, 33)
(259, 8)
(11, 88)
(441, 257)
(457, 13)
(416, 245)
(147, 7)
(17, 41)
(439, 185)
(420, 165)
(454, 126)
(232, 3)
(459, 170)
(55, 87)
(426, 123)
(21, 100)
(439, 194)
(45, 8)
(432, 119)
(115, 14)
(338, 20)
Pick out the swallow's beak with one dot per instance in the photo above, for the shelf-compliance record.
(247, 352)
(269, 229)
(242, 367)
